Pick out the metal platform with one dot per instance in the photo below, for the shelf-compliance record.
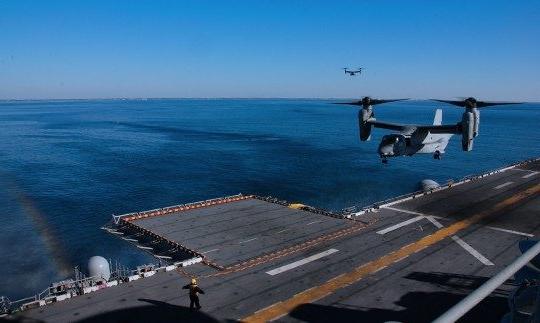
(238, 229)
(408, 260)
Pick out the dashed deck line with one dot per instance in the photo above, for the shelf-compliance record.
(530, 175)
(511, 231)
(498, 187)
(301, 262)
(248, 240)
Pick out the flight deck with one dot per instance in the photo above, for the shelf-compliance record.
(406, 259)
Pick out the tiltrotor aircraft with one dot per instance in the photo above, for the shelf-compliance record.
(421, 139)
(352, 72)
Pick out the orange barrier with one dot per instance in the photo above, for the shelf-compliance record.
(185, 207)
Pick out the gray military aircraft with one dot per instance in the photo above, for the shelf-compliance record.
(353, 72)
(421, 139)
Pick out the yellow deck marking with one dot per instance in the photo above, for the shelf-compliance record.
(313, 294)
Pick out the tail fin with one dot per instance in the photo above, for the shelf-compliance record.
(437, 121)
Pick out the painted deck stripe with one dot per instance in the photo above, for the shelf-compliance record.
(209, 251)
(310, 223)
(524, 170)
(308, 296)
(301, 262)
(464, 245)
(411, 212)
(512, 231)
(472, 251)
(401, 224)
(284, 230)
(529, 175)
(503, 185)
(248, 240)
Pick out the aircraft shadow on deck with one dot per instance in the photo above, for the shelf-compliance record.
(418, 306)
(152, 311)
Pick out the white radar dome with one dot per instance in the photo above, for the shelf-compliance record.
(428, 185)
(99, 267)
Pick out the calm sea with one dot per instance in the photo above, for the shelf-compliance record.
(66, 166)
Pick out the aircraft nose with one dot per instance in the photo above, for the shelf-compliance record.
(386, 150)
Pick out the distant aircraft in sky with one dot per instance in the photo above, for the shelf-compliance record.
(353, 72)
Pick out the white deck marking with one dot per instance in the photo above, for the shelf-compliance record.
(145, 248)
(411, 212)
(464, 244)
(524, 170)
(209, 251)
(401, 224)
(435, 222)
(457, 239)
(503, 185)
(512, 231)
(310, 223)
(129, 239)
(301, 262)
(248, 240)
(283, 230)
(472, 251)
(529, 175)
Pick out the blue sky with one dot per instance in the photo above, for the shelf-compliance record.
(418, 49)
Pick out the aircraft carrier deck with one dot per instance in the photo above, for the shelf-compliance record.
(408, 259)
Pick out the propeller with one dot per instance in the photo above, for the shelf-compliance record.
(473, 103)
(367, 101)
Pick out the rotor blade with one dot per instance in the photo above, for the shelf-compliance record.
(481, 104)
(379, 101)
(459, 103)
(372, 102)
(349, 103)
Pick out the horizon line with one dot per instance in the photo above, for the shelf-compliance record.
(220, 98)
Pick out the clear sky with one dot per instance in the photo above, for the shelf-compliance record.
(418, 49)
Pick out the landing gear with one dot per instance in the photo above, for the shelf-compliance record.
(437, 155)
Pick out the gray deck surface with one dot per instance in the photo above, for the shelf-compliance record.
(237, 231)
(414, 289)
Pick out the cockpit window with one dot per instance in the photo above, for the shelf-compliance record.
(387, 140)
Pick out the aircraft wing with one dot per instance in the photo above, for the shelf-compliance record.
(393, 126)
(446, 128)
(407, 128)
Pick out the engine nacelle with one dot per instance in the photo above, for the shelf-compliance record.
(467, 135)
(363, 126)
(476, 114)
(470, 124)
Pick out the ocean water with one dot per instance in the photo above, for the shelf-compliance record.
(66, 166)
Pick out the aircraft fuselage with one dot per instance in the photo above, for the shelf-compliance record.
(394, 145)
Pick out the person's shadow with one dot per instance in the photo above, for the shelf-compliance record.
(155, 311)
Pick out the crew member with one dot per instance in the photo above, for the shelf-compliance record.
(194, 291)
